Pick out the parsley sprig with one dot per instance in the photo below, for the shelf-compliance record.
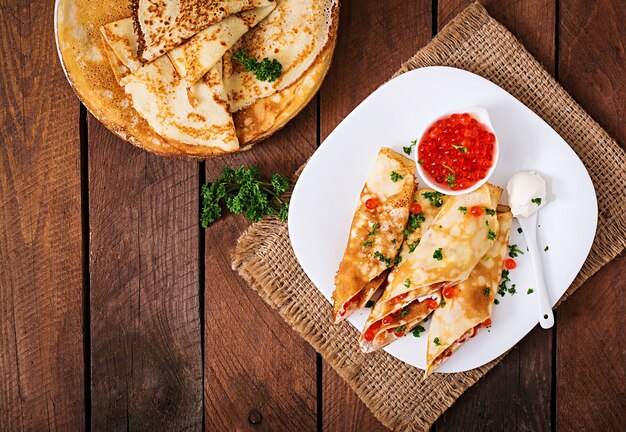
(434, 198)
(242, 190)
(264, 70)
(407, 149)
(514, 251)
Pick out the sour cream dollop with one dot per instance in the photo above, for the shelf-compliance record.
(527, 193)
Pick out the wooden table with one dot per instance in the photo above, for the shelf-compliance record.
(118, 312)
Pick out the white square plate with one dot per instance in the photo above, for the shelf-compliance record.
(326, 194)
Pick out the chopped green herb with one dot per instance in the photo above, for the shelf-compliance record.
(490, 212)
(450, 179)
(463, 209)
(438, 255)
(404, 312)
(264, 70)
(393, 241)
(490, 234)
(514, 251)
(407, 283)
(395, 177)
(512, 290)
(496, 301)
(370, 304)
(397, 260)
(415, 220)
(419, 161)
(407, 149)
(413, 245)
(462, 149)
(406, 232)
(367, 243)
(436, 341)
(434, 198)
(448, 168)
(530, 291)
(487, 291)
(241, 190)
(375, 226)
(382, 258)
(502, 287)
(545, 249)
(400, 329)
(442, 304)
(418, 330)
(536, 201)
(519, 230)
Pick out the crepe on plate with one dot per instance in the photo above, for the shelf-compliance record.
(162, 25)
(448, 251)
(376, 233)
(470, 308)
(86, 61)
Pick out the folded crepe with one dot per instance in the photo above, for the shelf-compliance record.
(376, 233)
(294, 34)
(193, 118)
(470, 308)
(196, 56)
(449, 249)
(162, 25)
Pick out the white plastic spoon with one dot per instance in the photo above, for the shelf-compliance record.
(527, 194)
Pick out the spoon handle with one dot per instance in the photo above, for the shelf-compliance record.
(529, 225)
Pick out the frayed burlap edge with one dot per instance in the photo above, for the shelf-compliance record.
(264, 258)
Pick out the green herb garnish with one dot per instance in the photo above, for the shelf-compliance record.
(490, 234)
(419, 161)
(496, 301)
(382, 258)
(395, 177)
(241, 190)
(367, 243)
(404, 312)
(413, 245)
(407, 149)
(264, 70)
(545, 249)
(536, 201)
(397, 260)
(407, 283)
(514, 251)
(393, 241)
(400, 329)
(519, 230)
(530, 291)
(442, 304)
(438, 255)
(490, 212)
(487, 291)
(415, 220)
(434, 198)
(502, 287)
(406, 232)
(418, 330)
(463, 209)
(462, 149)
(450, 179)
(436, 341)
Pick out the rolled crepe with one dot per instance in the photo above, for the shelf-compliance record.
(196, 56)
(452, 243)
(376, 234)
(470, 308)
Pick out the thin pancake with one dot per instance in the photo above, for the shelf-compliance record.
(415, 311)
(471, 306)
(120, 40)
(294, 34)
(197, 117)
(196, 56)
(162, 25)
(375, 234)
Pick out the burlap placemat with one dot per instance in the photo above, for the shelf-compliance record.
(393, 390)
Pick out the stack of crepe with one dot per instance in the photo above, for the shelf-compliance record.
(174, 60)
(443, 248)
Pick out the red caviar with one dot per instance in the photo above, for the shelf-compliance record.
(457, 151)
(372, 203)
(510, 263)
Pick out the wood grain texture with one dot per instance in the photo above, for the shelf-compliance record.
(259, 373)
(516, 394)
(146, 355)
(591, 377)
(374, 39)
(41, 347)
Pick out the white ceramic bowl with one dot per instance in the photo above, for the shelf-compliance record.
(482, 116)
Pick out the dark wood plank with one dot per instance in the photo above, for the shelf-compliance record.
(259, 374)
(591, 378)
(516, 394)
(41, 347)
(374, 39)
(145, 324)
